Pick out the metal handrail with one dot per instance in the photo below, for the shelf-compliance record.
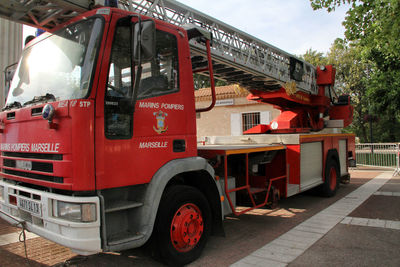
(383, 155)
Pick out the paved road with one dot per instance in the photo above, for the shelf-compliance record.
(305, 230)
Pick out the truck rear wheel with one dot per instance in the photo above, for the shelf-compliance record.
(332, 178)
(182, 225)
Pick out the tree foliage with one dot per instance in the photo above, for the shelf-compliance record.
(372, 71)
(314, 57)
(201, 81)
(352, 74)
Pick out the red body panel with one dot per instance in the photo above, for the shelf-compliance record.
(300, 111)
(135, 161)
(344, 113)
(326, 76)
(73, 139)
(258, 129)
(329, 142)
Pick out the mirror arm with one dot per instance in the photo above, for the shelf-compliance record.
(136, 87)
(212, 82)
(139, 63)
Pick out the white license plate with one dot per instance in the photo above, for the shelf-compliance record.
(24, 165)
(30, 206)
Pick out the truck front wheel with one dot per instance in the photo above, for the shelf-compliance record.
(182, 225)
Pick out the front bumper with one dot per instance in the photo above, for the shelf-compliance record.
(81, 237)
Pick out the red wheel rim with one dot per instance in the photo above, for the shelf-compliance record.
(187, 227)
(332, 179)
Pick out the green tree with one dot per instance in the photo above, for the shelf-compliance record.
(373, 26)
(201, 81)
(314, 57)
(352, 74)
(375, 23)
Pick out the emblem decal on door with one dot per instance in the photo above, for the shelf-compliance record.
(160, 126)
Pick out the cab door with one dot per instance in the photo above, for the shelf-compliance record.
(132, 146)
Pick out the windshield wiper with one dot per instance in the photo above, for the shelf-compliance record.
(37, 99)
(14, 104)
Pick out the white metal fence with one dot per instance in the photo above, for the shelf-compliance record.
(385, 155)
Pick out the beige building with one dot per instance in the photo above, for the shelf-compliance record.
(10, 50)
(233, 113)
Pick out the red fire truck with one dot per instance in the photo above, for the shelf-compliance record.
(98, 135)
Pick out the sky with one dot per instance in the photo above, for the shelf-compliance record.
(291, 25)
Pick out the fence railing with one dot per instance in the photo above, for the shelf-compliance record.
(384, 155)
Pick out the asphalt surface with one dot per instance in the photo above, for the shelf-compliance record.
(368, 236)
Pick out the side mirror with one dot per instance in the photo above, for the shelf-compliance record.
(146, 31)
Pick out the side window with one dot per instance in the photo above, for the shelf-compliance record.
(118, 124)
(160, 76)
(119, 76)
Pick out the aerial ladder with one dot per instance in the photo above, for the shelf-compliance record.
(238, 57)
(268, 73)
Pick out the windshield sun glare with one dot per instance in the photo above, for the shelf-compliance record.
(60, 65)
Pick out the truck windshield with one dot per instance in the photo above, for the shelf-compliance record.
(60, 65)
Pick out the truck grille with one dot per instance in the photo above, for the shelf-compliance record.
(43, 167)
(33, 155)
(36, 166)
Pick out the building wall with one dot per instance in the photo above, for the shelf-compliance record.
(10, 49)
(218, 121)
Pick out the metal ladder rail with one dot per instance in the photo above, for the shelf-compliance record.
(231, 46)
(253, 63)
(43, 13)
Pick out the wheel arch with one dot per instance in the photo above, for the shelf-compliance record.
(193, 171)
(206, 184)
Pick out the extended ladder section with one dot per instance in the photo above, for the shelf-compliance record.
(237, 56)
(44, 14)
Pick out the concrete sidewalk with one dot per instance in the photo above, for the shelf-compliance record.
(361, 229)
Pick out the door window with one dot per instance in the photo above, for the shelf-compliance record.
(118, 124)
(159, 77)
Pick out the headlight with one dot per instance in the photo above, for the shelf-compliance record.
(1, 193)
(76, 212)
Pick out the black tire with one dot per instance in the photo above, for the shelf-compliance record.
(178, 200)
(332, 178)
